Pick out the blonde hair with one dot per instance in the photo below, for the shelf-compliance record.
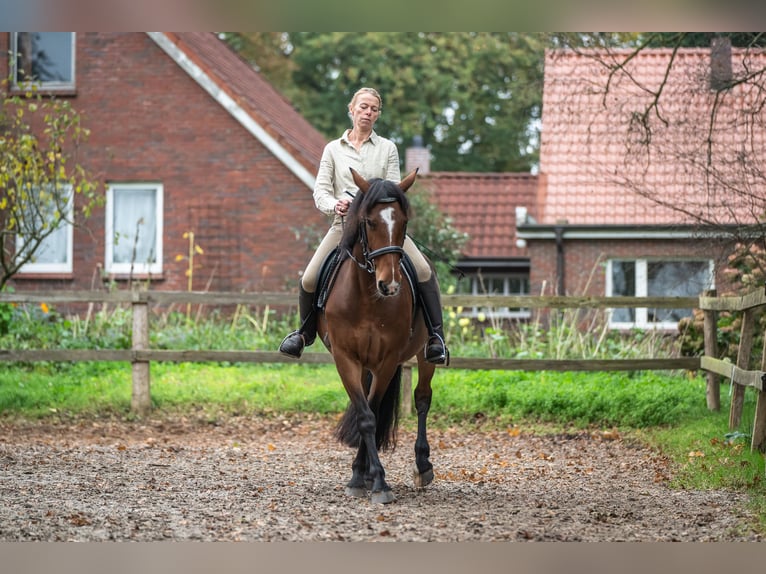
(365, 90)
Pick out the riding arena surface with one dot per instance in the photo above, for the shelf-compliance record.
(281, 478)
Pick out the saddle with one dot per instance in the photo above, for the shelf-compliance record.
(328, 272)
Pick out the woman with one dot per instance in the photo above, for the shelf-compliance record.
(372, 156)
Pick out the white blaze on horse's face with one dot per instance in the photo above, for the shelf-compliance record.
(388, 215)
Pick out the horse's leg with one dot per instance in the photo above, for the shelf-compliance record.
(423, 472)
(368, 426)
(381, 491)
(358, 485)
(351, 375)
(360, 482)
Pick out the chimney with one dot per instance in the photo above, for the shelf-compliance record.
(417, 156)
(720, 63)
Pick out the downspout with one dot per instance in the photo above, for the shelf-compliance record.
(560, 259)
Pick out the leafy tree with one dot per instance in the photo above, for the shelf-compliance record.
(39, 137)
(473, 97)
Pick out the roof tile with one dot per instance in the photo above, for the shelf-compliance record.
(483, 205)
(585, 143)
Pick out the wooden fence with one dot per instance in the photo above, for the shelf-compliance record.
(750, 306)
(140, 355)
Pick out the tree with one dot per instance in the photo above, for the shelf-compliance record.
(39, 173)
(473, 97)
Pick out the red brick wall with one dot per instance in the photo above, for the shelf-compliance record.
(149, 121)
(584, 261)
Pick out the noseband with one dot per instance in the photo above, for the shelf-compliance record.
(369, 256)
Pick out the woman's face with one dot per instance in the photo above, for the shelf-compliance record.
(364, 110)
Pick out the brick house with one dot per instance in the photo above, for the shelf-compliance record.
(186, 135)
(609, 219)
(592, 223)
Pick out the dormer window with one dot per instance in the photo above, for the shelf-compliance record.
(43, 59)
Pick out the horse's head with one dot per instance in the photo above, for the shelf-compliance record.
(377, 227)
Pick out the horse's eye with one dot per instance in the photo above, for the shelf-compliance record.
(369, 223)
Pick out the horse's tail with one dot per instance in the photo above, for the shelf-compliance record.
(387, 418)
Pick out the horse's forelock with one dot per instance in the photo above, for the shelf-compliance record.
(382, 191)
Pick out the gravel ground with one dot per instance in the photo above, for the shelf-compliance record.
(282, 479)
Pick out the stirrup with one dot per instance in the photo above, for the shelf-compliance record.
(443, 355)
(289, 350)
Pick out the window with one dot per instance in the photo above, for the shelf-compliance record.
(134, 229)
(48, 227)
(648, 278)
(43, 58)
(495, 284)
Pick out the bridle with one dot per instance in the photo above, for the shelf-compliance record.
(369, 256)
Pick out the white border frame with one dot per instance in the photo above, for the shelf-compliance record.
(44, 86)
(137, 268)
(642, 315)
(53, 268)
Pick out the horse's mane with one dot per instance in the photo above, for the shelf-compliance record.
(381, 190)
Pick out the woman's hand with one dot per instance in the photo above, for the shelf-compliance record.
(341, 208)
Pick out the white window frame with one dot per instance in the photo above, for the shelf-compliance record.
(642, 286)
(134, 267)
(497, 312)
(65, 266)
(46, 85)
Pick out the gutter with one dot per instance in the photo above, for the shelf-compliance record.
(559, 232)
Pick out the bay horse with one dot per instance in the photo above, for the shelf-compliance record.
(371, 325)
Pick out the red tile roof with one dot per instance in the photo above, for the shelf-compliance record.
(483, 205)
(273, 112)
(584, 142)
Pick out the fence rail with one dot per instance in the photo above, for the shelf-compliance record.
(140, 355)
(281, 299)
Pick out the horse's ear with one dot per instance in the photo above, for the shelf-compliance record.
(361, 183)
(409, 180)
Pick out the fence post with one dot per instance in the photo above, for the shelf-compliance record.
(758, 441)
(141, 401)
(709, 331)
(743, 361)
(406, 393)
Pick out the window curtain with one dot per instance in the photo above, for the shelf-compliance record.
(135, 226)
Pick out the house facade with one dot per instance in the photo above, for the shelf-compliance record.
(186, 138)
(614, 216)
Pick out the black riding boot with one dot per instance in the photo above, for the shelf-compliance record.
(293, 344)
(436, 348)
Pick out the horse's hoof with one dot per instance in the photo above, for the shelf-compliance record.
(356, 491)
(422, 479)
(382, 497)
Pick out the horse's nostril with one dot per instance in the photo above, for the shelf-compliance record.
(388, 289)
